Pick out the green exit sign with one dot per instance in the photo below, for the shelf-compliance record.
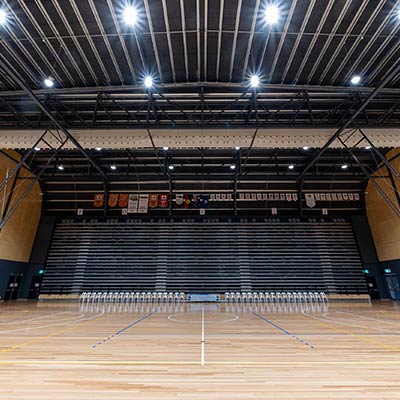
(41, 272)
(388, 271)
(366, 271)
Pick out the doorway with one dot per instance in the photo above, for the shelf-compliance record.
(393, 285)
(13, 287)
(34, 290)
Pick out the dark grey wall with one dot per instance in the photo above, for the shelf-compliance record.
(37, 259)
(368, 254)
(39, 251)
(9, 267)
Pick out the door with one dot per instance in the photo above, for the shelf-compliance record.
(372, 287)
(393, 285)
(13, 287)
(34, 290)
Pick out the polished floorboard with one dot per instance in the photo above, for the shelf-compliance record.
(51, 350)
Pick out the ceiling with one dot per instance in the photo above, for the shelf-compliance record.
(200, 54)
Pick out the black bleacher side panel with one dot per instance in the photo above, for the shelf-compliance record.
(203, 257)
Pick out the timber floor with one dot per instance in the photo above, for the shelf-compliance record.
(195, 351)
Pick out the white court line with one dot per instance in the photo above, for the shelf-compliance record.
(35, 319)
(389, 321)
(202, 335)
(69, 322)
(338, 322)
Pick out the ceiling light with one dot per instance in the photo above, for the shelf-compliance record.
(291, 166)
(355, 80)
(271, 14)
(113, 167)
(344, 166)
(130, 16)
(254, 81)
(3, 17)
(148, 81)
(171, 167)
(367, 147)
(165, 148)
(36, 148)
(232, 166)
(60, 167)
(99, 149)
(305, 148)
(237, 148)
(49, 82)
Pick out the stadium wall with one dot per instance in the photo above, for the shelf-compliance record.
(19, 232)
(383, 222)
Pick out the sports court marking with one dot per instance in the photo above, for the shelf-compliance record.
(282, 330)
(36, 319)
(202, 337)
(155, 363)
(389, 321)
(108, 338)
(222, 321)
(77, 325)
(366, 339)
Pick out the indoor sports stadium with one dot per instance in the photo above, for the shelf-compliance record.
(199, 199)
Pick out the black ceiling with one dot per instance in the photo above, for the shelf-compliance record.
(86, 42)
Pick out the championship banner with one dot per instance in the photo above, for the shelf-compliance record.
(351, 196)
(334, 196)
(194, 200)
(310, 200)
(270, 196)
(328, 197)
(288, 196)
(199, 201)
(143, 206)
(254, 196)
(132, 203)
(123, 200)
(323, 197)
(340, 196)
(345, 196)
(282, 196)
(205, 200)
(186, 202)
(113, 199)
(294, 196)
(163, 200)
(229, 197)
(212, 197)
(241, 196)
(276, 196)
(98, 200)
(153, 201)
(317, 197)
(179, 199)
(265, 196)
(356, 196)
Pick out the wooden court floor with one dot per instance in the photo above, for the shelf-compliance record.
(195, 351)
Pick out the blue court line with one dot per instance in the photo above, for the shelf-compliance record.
(138, 321)
(281, 329)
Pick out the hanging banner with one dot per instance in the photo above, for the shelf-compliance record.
(132, 203)
(186, 203)
(323, 197)
(328, 197)
(241, 196)
(163, 200)
(179, 199)
(294, 196)
(194, 200)
(289, 196)
(310, 200)
(113, 199)
(98, 200)
(205, 200)
(153, 201)
(199, 201)
(356, 196)
(143, 206)
(123, 200)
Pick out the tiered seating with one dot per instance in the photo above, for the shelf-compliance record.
(132, 297)
(275, 297)
(203, 257)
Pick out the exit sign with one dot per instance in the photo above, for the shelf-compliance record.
(388, 271)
